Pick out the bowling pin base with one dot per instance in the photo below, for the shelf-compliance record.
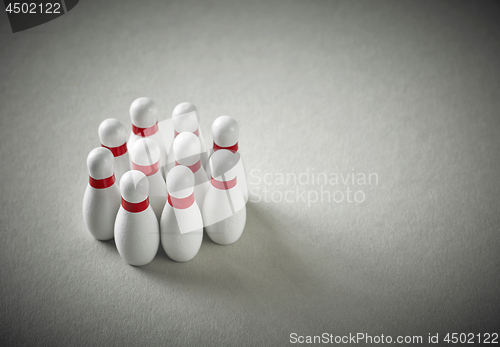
(181, 247)
(228, 230)
(100, 207)
(137, 236)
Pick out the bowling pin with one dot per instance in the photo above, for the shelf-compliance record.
(145, 156)
(137, 234)
(224, 210)
(185, 118)
(113, 136)
(102, 196)
(144, 117)
(181, 224)
(225, 132)
(186, 149)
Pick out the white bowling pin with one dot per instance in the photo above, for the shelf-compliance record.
(225, 132)
(185, 118)
(113, 136)
(144, 117)
(224, 210)
(145, 156)
(137, 234)
(181, 224)
(102, 196)
(186, 149)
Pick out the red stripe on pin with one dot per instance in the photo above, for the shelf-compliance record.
(135, 207)
(148, 170)
(103, 183)
(233, 149)
(117, 151)
(223, 185)
(195, 167)
(144, 132)
(181, 203)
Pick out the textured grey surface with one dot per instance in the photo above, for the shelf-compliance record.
(407, 90)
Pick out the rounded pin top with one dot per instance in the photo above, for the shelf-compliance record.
(225, 131)
(145, 152)
(183, 108)
(187, 148)
(112, 133)
(100, 163)
(144, 112)
(180, 182)
(134, 186)
(185, 118)
(223, 164)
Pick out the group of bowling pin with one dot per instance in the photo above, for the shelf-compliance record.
(143, 191)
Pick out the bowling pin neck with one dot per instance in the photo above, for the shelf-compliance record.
(100, 163)
(135, 207)
(180, 182)
(233, 148)
(186, 122)
(117, 151)
(102, 183)
(194, 168)
(112, 133)
(134, 186)
(225, 131)
(224, 185)
(143, 112)
(224, 165)
(148, 170)
(196, 132)
(181, 203)
(145, 132)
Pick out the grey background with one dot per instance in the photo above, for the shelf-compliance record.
(407, 90)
